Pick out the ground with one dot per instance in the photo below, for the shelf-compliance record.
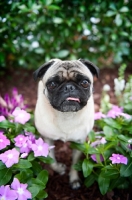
(58, 186)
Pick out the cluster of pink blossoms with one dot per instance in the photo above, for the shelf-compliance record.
(113, 113)
(17, 191)
(26, 143)
(9, 103)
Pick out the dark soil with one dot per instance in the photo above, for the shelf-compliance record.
(58, 186)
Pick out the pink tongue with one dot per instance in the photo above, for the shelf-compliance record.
(73, 99)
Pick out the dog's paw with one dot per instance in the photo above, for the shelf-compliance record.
(76, 184)
(59, 168)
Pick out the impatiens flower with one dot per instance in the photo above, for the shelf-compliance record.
(114, 112)
(10, 157)
(24, 155)
(95, 158)
(7, 194)
(3, 141)
(99, 115)
(19, 140)
(117, 158)
(98, 142)
(40, 148)
(2, 118)
(20, 116)
(126, 115)
(21, 190)
(26, 147)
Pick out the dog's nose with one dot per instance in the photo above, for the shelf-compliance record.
(69, 88)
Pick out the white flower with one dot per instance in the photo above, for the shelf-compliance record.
(119, 85)
(106, 88)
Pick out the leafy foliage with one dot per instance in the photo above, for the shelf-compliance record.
(33, 32)
(108, 153)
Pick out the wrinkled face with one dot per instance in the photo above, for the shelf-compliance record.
(68, 86)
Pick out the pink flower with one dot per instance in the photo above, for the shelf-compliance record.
(24, 155)
(117, 158)
(20, 116)
(98, 142)
(19, 140)
(25, 148)
(126, 115)
(10, 157)
(2, 118)
(3, 141)
(93, 156)
(21, 190)
(114, 112)
(7, 194)
(99, 115)
(40, 148)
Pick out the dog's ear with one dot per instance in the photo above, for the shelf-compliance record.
(93, 68)
(39, 73)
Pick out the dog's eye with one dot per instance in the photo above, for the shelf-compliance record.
(52, 85)
(84, 84)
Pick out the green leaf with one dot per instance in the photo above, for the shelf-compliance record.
(35, 189)
(18, 127)
(29, 128)
(87, 167)
(103, 184)
(110, 13)
(43, 177)
(78, 146)
(109, 145)
(78, 166)
(24, 175)
(126, 170)
(6, 124)
(123, 138)
(92, 150)
(110, 172)
(116, 182)
(111, 122)
(89, 180)
(57, 20)
(124, 9)
(5, 176)
(23, 164)
(37, 167)
(108, 131)
(42, 195)
(91, 136)
(35, 181)
(2, 165)
(47, 159)
(62, 53)
(31, 157)
(118, 20)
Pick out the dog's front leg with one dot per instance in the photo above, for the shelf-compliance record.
(74, 177)
(56, 166)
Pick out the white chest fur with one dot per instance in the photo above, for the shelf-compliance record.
(67, 126)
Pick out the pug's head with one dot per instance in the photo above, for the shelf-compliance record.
(68, 85)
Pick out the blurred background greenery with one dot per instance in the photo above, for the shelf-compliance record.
(34, 31)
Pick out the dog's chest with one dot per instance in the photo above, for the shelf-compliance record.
(65, 128)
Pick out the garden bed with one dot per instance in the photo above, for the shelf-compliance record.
(58, 186)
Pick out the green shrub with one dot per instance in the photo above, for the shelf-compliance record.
(32, 31)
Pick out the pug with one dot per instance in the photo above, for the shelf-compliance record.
(65, 107)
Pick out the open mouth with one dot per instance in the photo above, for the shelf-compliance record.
(73, 99)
